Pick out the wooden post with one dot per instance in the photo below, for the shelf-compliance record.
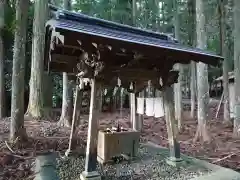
(133, 107)
(171, 126)
(91, 150)
(121, 103)
(219, 105)
(140, 116)
(77, 106)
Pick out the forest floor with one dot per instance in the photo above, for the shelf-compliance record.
(17, 161)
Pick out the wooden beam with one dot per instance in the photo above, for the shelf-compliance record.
(140, 82)
(61, 58)
(77, 107)
(69, 46)
(131, 73)
(62, 67)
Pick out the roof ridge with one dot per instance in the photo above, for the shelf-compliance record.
(65, 14)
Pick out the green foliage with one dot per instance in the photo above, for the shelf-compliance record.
(9, 18)
(86, 6)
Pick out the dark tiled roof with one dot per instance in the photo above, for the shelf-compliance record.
(96, 22)
(77, 22)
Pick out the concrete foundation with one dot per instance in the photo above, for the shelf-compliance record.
(172, 161)
(217, 172)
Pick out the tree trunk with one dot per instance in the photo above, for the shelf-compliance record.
(192, 37)
(193, 89)
(2, 74)
(134, 12)
(47, 90)
(17, 104)
(202, 75)
(237, 66)
(178, 85)
(48, 94)
(178, 96)
(35, 106)
(224, 51)
(67, 102)
(67, 99)
(67, 4)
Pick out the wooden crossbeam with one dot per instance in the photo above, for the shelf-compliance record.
(61, 58)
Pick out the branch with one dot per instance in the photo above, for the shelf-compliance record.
(226, 157)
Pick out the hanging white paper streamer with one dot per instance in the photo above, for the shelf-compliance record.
(140, 105)
(158, 107)
(150, 106)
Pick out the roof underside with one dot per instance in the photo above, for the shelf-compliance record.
(69, 34)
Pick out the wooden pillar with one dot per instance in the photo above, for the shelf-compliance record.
(77, 107)
(91, 150)
(140, 116)
(133, 110)
(133, 107)
(171, 125)
(121, 102)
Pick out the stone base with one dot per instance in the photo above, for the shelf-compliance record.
(90, 176)
(172, 161)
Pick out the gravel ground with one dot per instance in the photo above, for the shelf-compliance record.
(148, 165)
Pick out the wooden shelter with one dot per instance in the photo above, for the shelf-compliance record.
(104, 52)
